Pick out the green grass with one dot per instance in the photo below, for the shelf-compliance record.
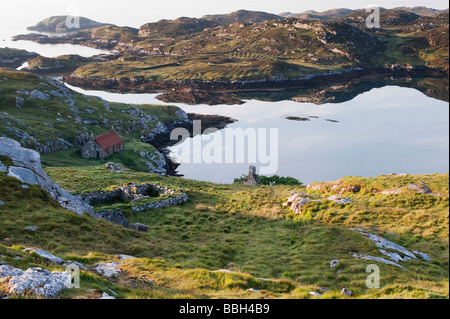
(244, 229)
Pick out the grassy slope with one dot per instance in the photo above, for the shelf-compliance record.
(62, 123)
(244, 229)
(13, 58)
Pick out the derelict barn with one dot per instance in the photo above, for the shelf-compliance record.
(102, 146)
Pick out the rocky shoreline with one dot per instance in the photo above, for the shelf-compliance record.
(161, 141)
(222, 92)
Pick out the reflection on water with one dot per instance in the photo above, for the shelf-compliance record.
(385, 130)
(47, 50)
(135, 98)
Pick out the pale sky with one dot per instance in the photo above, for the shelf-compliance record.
(137, 12)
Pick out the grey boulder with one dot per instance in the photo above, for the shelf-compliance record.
(108, 269)
(36, 94)
(37, 281)
(346, 292)
(46, 255)
(27, 168)
(139, 227)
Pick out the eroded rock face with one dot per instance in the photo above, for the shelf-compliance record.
(27, 168)
(37, 281)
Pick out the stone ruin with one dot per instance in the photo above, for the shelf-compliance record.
(131, 192)
(136, 194)
(252, 178)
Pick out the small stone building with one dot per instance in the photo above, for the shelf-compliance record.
(252, 178)
(102, 146)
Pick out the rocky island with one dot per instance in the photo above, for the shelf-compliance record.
(215, 59)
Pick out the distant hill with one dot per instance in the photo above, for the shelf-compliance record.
(389, 18)
(187, 26)
(173, 28)
(57, 24)
(242, 16)
(337, 14)
(333, 14)
(423, 11)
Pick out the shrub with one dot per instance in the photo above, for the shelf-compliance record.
(273, 180)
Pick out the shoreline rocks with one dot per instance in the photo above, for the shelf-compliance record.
(220, 92)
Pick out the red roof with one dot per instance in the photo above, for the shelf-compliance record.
(108, 140)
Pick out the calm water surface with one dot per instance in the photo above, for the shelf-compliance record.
(383, 131)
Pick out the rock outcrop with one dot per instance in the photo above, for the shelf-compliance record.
(421, 188)
(46, 255)
(114, 167)
(139, 227)
(108, 269)
(297, 200)
(337, 187)
(113, 216)
(37, 281)
(392, 250)
(27, 168)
